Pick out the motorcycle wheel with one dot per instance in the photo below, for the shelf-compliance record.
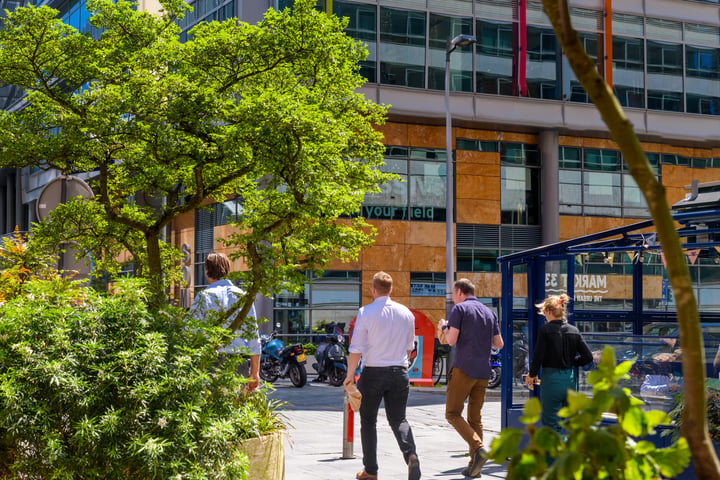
(336, 377)
(298, 375)
(438, 369)
(495, 377)
(266, 373)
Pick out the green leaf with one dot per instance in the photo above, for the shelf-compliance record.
(531, 411)
(633, 422)
(505, 445)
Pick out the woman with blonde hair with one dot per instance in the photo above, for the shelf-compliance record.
(558, 350)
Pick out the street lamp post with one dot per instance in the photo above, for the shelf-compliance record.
(459, 41)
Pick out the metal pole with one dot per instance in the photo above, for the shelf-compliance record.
(449, 194)
(458, 41)
(348, 428)
(449, 211)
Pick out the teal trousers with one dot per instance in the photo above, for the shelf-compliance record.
(553, 394)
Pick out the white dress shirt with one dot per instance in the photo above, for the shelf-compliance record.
(384, 332)
(220, 296)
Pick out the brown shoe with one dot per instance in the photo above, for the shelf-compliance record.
(365, 476)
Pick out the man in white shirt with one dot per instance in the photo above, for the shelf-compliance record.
(219, 296)
(383, 336)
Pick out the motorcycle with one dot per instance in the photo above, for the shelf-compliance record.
(280, 361)
(331, 359)
(496, 369)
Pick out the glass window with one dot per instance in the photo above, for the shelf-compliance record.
(477, 260)
(664, 80)
(602, 193)
(634, 204)
(402, 47)
(427, 284)
(570, 188)
(443, 28)
(599, 187)
(597, 159)
(362, 26)
(419, 196)
(476, 145)
(628, 71)
(519, 187)
(427, 180)
(519, 184)
(494, 57)
(702, 84)
(577, 92)
(543, 63)
(333, 296)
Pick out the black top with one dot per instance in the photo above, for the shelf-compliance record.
(559, 345)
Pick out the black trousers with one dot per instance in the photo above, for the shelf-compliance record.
(392, 385)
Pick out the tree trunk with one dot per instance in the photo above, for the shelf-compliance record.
(155, 272)
(694, 425)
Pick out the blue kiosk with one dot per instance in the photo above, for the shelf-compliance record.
(622, 298)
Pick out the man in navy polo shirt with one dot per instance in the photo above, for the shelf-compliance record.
(474, 329)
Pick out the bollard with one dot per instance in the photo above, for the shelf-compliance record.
(348, 428)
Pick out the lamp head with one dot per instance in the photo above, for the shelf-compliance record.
(460, 41)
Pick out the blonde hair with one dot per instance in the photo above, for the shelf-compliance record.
(383, 283)
(556, 304)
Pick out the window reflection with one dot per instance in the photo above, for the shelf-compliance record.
(702, 83)
(664, 82)
(402, 47)
(543, 63)
(628, 74)
(594, 182)
(443, 28)
(494, 57)
(362, 27)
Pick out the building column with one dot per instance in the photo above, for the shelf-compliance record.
(264, 308)
(549, 191)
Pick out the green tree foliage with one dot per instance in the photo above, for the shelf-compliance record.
(268, 113)
(593, 449)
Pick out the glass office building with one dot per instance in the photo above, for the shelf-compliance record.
(534, 163)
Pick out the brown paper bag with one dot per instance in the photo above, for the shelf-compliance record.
(354, 397)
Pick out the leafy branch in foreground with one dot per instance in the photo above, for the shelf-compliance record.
(593, 448)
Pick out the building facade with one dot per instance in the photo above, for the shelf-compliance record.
(534, 163)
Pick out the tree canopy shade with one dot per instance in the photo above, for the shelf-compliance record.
(266, 112)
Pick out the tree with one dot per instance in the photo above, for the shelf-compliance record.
(694, 421)
(265, 112)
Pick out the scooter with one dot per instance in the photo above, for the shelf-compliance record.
(280, 361)
(496, 369)
(331, 359)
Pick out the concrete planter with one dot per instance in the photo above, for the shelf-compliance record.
(266, 455)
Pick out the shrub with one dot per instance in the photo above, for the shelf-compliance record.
(310, 348)
(100, 386)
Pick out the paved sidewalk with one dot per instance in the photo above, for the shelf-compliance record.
(314, 446)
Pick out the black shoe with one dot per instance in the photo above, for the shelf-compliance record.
(466, 471)
(413, 467)
(480, 456)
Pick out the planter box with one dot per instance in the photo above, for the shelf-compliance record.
(266, 455)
